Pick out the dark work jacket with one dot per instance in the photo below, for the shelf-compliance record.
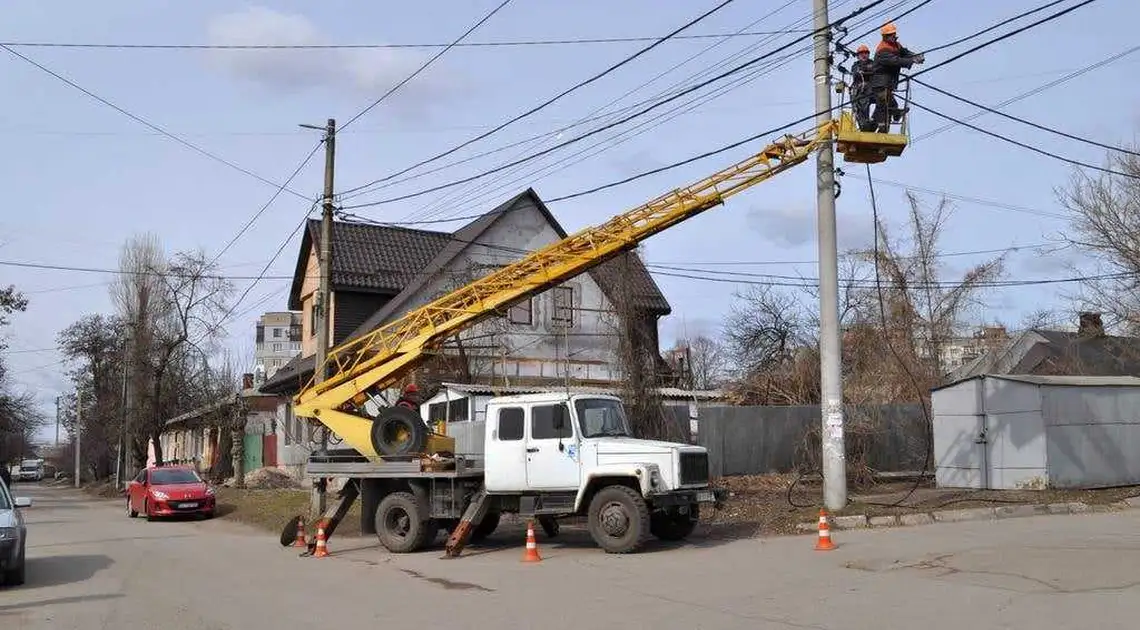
(861, 73)
(890, 59)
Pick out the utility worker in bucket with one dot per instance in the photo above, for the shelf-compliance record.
(890, 58)
(862, 72)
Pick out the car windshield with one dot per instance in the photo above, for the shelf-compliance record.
(172, 476)
(601, 416)
(5, 499)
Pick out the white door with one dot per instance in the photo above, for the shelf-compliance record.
(504, 463)
(552, 454)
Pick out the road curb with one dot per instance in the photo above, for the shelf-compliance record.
(1001, 512)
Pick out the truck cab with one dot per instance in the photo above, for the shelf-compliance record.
(575, 454)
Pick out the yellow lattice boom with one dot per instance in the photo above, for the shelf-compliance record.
(381, 358)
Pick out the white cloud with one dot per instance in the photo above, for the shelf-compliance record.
(367, 72)
(793, 226)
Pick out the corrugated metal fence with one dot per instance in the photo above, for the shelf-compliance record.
(754, 440)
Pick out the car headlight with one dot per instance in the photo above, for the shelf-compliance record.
(7, 533)
(161, 496)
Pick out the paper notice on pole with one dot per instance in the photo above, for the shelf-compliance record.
(835, 419)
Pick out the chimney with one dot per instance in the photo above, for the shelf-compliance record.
(1090, 325)
(247, 381)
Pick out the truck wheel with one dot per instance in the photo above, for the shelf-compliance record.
(401, 525)
(619, 519)
(399, 431)
(16, 575)
(486, 527)
(673, 525)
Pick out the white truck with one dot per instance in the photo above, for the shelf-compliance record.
(545, 456)
(30, 470)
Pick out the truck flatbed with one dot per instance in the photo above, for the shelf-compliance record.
(352, 464)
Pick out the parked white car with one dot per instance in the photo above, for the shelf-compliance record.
(13, 537)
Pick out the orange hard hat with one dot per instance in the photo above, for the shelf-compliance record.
(889, 29)
(862, 49)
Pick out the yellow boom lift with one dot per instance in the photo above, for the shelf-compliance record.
(359, 370)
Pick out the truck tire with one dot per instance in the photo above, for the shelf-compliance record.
(16, 575)
(486, 527)
(674, 526)
(399, 432)
(619, 519)
(401, 525)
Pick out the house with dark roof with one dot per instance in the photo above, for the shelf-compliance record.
(1089, 351)
(566, 334)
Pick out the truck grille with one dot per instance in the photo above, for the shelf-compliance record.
(694, 468)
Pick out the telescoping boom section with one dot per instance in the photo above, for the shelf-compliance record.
(368, 364)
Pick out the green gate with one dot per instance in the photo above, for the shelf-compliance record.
(252, 452)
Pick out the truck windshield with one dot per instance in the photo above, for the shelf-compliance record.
(601, 416)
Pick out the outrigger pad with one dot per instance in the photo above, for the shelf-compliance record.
(289, 534)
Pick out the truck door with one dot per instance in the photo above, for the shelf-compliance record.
(552, 457)
(504, 450)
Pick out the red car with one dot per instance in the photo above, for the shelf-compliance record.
(169, 491)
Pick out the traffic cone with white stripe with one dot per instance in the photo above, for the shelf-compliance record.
(824, 542)
(531, 554)
(322, 550)
(300, 540)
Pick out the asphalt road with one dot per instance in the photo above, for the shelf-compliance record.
(89, 566)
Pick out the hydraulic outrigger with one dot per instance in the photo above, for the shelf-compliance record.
(360, 369)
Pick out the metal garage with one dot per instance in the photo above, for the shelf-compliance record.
(1026, 432)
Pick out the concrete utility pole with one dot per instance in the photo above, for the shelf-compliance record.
(57, 421)
(322, 299)
(78, 431)
(831, 379)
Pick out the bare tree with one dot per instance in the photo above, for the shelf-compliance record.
(707, 361)
(1104, 210)
(96, 345)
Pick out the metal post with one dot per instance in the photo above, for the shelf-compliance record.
(78, 431)
(831, 383)
(323, 299)
(57, 422)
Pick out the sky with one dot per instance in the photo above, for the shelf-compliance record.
(83, 177)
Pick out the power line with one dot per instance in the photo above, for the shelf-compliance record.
(1023, 145)
(1028, 122)
(764, 134)
(147, 123)
(593, 116)
(1037, 90)
(268, 203)
(486, 44)
(588, 134)
(427, 63)
(549, 101)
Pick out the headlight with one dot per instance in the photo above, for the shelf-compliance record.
(655, 478)
(7, 533)
(161, 496)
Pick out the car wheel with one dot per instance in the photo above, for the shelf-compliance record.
(146, 510)
(131, 513)
(15, 577)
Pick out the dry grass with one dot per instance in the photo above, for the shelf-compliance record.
(271, 509)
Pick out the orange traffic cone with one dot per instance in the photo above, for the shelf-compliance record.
(531, 554)
(322, 550)
(824, 542)
(300, 540)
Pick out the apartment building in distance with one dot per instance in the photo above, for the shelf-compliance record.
(278, 341)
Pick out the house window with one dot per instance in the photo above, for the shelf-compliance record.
(313, 320)
(276, 333)
(449, 411)
(562, 316)
(522, 313)
(277, 347)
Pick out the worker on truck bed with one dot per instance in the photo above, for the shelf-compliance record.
(861, 73)
(410, 398)
(890, 58)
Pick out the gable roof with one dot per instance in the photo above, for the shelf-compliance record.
(619, 274)
(368, 258)
(1054, 352)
